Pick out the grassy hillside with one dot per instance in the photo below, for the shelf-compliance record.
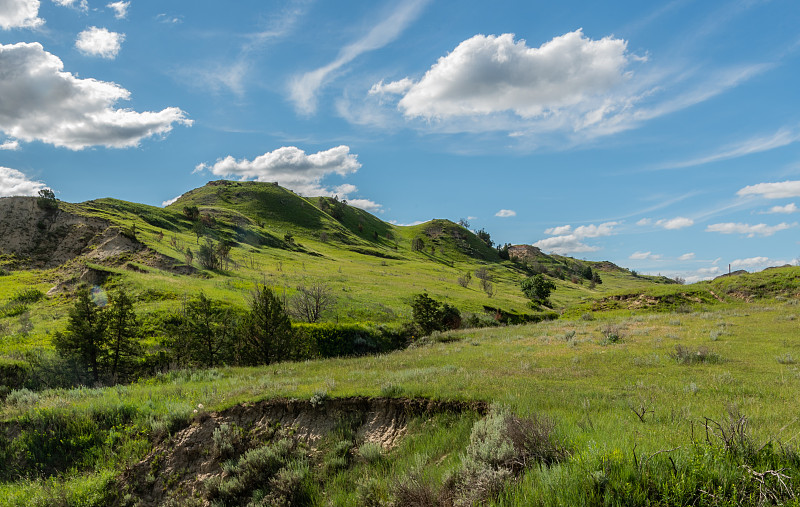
(370, 265)
(638, 401)
(622, 389)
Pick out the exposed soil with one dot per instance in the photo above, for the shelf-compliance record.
(186, 460)
(46, 238)
(42, 238)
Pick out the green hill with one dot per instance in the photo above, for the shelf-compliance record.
(644, 391)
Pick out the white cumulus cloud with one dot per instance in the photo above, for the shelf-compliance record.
(170, 201)
(750, 262)
(675, 223)
(488, 74)
(568, 240)
(505, 213)
(100, 42)
(686, 257)
(81, 5)
(120, 9)
(291, 167)
(779, 190)
(10, 145)
(43, 102)
(19, 14)
(559, 231)
(787, 209)
(13, 182)
(749, 230)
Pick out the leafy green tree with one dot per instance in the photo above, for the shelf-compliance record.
(208, 255)
(85, 336)
(198, 228)
(502, 251)
(268, 330)
(47, 200)
(191, 212)
(122, 333)
(485, 237)
(537, 288)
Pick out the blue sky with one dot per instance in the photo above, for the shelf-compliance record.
(660, 136)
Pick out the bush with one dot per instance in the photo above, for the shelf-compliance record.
(335, 340)
(501, 446)
(370, 452)
(685, 355)
(430, 315)
(612, 333)
(537, 288)
(278, 468)
(28, 296)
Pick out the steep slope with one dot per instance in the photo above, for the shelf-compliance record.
(39, 237)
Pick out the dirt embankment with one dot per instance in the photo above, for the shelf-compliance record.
(45, 238)
(188, 458)
(37, 237)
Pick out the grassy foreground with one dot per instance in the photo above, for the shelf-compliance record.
(662, 408)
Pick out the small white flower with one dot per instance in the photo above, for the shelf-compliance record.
(195, 411)
(200, 406)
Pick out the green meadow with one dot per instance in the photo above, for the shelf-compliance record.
(642, 392)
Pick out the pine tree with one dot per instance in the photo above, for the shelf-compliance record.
(210, 328)
(122, 333)
(84, 337)
(269, 331)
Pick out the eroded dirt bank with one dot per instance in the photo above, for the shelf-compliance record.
(180, 466)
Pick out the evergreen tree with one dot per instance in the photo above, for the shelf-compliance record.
(209, 327)
(84, 337)
(122, 334)
(269, 331)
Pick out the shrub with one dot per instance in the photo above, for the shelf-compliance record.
(685, 355)
(501, 446)
(227, 439)
(537, 288)
(431, 315)
(370, 452)
(22, 398)
(413, 490)
(28, 296)
(391, 390)
(336, 340)
(260, 472)
(612, 333)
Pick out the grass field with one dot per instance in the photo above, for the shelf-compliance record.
(643, 392)
(589, 377)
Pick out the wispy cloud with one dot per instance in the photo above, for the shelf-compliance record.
(303, 89)
(749, 230)
(234, 74)
(782, 137)
(650, 256)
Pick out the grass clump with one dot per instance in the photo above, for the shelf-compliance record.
(685, 355)
(501, 446)
(270, 474)
(612, 333)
